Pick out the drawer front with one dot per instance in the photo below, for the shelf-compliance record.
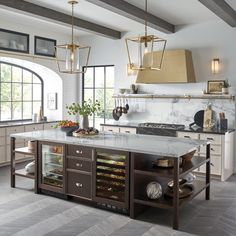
(215, 150)
(49, 125)
(79, 185)
(79, 164)
(215, 167)
(125, 130)
(79, 151)
(111, 129)
(29, 128)
(187, 135)
(2, 132)
(2, 141)
(214, 138)
(15, 129)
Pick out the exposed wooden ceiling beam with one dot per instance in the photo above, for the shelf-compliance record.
(221, 9)
(130, 11)
(56, 16)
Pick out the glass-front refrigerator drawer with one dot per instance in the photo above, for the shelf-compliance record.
(52, 165)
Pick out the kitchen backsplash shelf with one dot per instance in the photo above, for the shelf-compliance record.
(185, 96)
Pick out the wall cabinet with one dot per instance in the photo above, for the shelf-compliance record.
(222, 157)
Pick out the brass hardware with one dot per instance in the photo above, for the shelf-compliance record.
(79, 185)
(79, 165)
(79, 151)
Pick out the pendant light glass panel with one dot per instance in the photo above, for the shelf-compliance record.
(141, 52)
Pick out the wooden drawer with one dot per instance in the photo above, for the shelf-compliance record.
(2, 132)
(79, 185)
(215, 150)
(214, 138)
(79, 151)
(125, 130)
(215, 167)
(188, 135)
(77, 163)
(29, 128)
(111, 129)
(49, 125)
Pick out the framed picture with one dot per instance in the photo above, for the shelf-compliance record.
(14, 41)
(52, 101)
(44, 46)
(215, 86)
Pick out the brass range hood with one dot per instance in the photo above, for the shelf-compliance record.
(177, 68)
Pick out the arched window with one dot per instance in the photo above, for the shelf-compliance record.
(21, 92)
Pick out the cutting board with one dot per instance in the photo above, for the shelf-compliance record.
(208, 113)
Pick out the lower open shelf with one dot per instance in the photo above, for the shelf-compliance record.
(23, 173)
(167, 202)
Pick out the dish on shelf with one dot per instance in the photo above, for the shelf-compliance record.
(85, 132)
(181, 182)
(184, 191)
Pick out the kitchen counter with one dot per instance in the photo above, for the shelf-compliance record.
(187, 129)
(154, 145)
(29, 122)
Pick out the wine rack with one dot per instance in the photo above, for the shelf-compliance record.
(111, 177)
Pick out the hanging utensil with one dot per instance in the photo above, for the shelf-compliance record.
(124, 110)
(127, 105)
(114, 112)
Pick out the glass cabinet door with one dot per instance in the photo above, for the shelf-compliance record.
(52, 165)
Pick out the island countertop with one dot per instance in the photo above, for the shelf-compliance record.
(146, 144)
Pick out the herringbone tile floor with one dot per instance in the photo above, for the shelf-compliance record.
(24, 213)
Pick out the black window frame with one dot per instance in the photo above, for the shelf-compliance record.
(11, 101)
(94, 88)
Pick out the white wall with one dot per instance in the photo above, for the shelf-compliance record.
(64, 84)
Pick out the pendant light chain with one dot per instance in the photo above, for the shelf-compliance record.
(146, 18)
(72, 24)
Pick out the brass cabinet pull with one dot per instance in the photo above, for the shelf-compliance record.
(79, 151)
(186, 136)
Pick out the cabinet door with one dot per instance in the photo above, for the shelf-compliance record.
(79, 185)
(113, 129)
(14, 130)
(51, 166)
(126, 130)
(2, 154)
(215, 166)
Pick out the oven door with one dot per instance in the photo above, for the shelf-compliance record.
(157, 131)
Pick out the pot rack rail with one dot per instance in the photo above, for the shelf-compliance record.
(185, 96)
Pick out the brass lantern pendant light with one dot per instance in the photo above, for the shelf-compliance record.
(72, 58)
(145, 52)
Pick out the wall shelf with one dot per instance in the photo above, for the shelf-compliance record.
(185, 96)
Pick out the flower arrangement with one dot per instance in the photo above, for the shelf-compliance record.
(86, 109)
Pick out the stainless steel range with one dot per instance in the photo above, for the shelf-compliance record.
(161, 129)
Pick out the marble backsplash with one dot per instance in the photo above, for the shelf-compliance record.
(179, 111)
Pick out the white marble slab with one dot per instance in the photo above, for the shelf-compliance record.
(147, 144)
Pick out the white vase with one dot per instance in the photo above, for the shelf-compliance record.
(84, 122)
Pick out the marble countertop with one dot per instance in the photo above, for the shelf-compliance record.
(28, 122)
(187, 129)
(146, 144)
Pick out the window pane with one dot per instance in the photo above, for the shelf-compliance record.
(110, 76)
(27, 110)
(99, 95)
(5, 73)
(99, 77)
(36, 107)
(88, 94)
(27, 76)
(16, 110)
(36, 79)
(16, 74)
(5, 111)
(108, 114)
(88, 78)
(37, 93)
(16, 92)
(110, 103)
(27, 91)
(5, 92)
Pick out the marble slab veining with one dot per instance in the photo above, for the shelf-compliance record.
(154, 145)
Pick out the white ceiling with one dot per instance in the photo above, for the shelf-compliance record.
(177, 12)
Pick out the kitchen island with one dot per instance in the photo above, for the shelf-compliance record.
(113, 170)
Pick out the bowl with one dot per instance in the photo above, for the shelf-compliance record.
(69, 130)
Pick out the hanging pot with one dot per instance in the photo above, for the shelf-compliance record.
(127, 105)
(198, 119)
(114, 114)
